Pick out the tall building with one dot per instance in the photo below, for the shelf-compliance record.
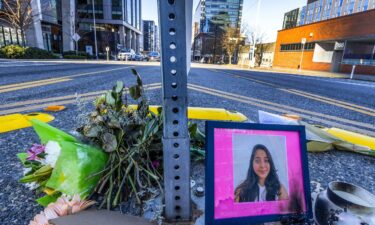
(156, 39)
(150, 36)
(118, 24)
(212, 13)
(210, 20)
(291, 19)
(44, 32)
(318, 10)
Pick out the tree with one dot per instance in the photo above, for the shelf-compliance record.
(261, 49)
(255, 37)
(231, 41)
(18, 14)
(218, 25)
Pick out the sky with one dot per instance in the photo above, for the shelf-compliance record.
(271, 13)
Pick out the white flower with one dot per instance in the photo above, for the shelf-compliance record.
(53, 152)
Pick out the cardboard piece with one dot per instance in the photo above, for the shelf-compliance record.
(95, 217)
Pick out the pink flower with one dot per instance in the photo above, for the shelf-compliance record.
(34, 151)
(62, 207)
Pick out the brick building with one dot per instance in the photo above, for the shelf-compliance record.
(331, 45)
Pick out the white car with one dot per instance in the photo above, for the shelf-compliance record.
(126, 54)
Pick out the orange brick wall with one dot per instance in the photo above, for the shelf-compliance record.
(341, 28)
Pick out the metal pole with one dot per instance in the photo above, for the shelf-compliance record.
(252, 53)
(96, 43)
(352, 73)
(174, 19)
(300, 63)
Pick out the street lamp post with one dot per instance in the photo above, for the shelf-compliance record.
(252, 50)
(95, 40)
(303, 42)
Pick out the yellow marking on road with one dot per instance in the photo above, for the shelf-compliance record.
(342, 104)
(276, 107)
(34, 85)
(63, 100)
(24, 85)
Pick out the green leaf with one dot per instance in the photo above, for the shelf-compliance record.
(22, 157)
(119, 87)
(109, 142)
(99, 100)
(135, 92)
(47, 199)
(110, 100)
(139, 80)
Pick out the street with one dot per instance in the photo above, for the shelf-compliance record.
(339, 103)
(31, 86)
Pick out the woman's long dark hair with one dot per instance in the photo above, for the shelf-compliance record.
(248, 190)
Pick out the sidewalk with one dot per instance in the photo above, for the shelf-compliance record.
(289, 71)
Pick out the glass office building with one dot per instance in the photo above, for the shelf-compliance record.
(291, 19)
(118, 24)
(150, 36)
(318, 10)
(212, 13)
(211, 18)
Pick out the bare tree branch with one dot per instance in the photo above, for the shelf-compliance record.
(18, 14)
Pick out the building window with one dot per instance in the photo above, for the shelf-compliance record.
(85, 9)
(117, 9)
(351, 6)
(2, 41)
(365, 5)
(297, 47)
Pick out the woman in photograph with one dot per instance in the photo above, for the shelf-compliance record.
(262, 182)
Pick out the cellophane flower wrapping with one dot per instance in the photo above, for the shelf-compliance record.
(75, 169)
(78, 166)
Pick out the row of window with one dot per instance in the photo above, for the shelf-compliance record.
(297, 47)
(9, 36)
(320, 10)
(131, 8)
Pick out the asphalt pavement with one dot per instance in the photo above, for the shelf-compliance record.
(29, 86)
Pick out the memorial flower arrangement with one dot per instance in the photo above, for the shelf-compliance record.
(131, 137)
(117, 157)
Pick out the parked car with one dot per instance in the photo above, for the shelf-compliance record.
(138, 57)
(153, 56)
(126, 54)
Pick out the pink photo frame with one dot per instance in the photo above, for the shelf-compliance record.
(220, 200)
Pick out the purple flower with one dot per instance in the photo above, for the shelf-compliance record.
(155, 164)
(34, 151)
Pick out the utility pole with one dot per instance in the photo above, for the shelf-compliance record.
(96, 43)
(303, 42)
(214, 55)
(252, 50)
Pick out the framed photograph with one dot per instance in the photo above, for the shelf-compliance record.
(256, 173)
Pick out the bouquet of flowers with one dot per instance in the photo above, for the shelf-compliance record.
(60, 164)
